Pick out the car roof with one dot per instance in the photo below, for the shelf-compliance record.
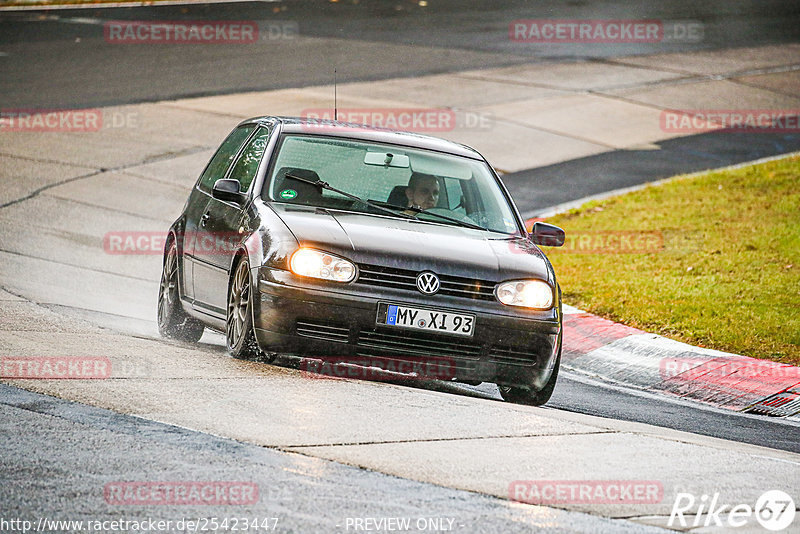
(329, 128)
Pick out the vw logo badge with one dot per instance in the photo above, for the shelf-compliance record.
(427, 283)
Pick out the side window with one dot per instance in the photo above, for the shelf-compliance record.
(247, 165)
(224, 156)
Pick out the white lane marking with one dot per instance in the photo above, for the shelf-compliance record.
(777, 459)
(81, 20)
(142, 3)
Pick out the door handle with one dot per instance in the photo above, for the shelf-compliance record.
(205, 218)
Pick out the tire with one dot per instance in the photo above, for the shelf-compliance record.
(173, 322)
(523, 395)
(239, 335)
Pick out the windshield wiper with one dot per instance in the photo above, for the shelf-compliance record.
(329, 187)
(426, 212)
(384, 206)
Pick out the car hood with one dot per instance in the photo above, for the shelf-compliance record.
(414, 245)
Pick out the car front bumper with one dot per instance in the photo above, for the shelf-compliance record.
(328, 321)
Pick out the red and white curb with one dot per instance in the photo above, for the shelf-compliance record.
(618, 353)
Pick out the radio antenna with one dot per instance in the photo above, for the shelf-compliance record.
(335, 112)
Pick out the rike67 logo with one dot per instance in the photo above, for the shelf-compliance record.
(774, 510)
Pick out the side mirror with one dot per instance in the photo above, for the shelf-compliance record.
(228, 190)
(547, 235)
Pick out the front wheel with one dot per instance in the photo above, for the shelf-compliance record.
(239, 335)
(173, 322)
(521, 395)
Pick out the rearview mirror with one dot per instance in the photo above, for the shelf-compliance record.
(547, 235)
(228, 190)
(386, 159)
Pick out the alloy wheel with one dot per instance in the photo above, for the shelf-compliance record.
(167, 291)
(238, 305)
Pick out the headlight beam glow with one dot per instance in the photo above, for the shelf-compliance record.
(534, 294)
(318, 264)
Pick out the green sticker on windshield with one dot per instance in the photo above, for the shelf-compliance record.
(288, 194)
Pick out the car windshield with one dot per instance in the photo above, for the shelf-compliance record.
(424, 183)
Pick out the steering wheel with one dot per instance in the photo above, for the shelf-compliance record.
(482, 218)
(452, 214)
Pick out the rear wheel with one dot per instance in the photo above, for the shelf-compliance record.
(173, 322)
(239, 334)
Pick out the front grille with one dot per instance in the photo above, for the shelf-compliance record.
(463, 354)
(513, 356)
(340, 334)
(454, 286)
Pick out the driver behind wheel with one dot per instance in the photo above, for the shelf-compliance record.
(422, 191)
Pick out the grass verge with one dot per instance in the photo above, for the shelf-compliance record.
(711, 260)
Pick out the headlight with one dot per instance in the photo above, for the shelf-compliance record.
(527, 293)
(316, 264)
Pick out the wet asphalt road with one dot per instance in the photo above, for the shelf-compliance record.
(580, 394)
(60, 58)
(536, 189)
(88, 448)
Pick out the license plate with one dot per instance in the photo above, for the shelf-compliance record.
(430, 320)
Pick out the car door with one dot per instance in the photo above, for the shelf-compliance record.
(221, 226)
(198, 201)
